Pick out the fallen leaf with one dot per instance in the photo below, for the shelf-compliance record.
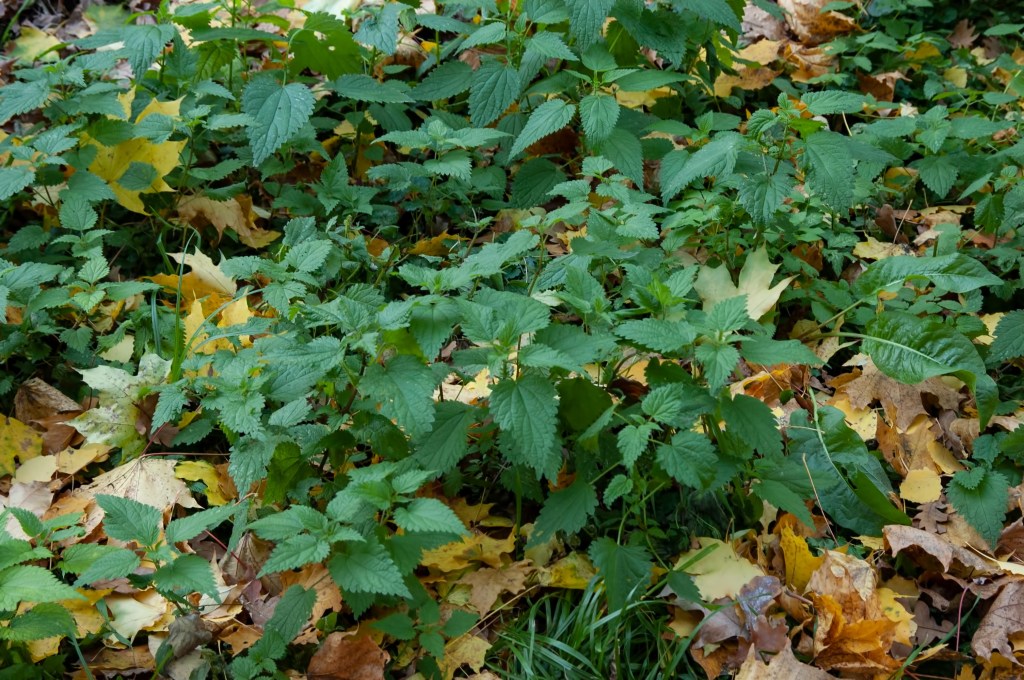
(933, 553)
(1003, 621)
(131, 614)
(800, 562)
(30, 46)
(344, 656)
(32, 496)
(467, 650)
(812, 25)
(714, 284)
(921, 486)
(112, 162)
(475, 548)
(18, 442)
(721, 573)
(147, 480)
(315, 577)
(38, 469)
(218, 489)
(573, 572)
(488, 584)
(235, 214)
(782, 666)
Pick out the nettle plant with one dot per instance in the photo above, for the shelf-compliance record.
(330, 396)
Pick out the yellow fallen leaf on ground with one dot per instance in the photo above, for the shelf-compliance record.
(573, 572)
(113, 162)
(217, 492)
(18, 442)
(714, 284)
(235, 214)
(721, 572)
(800, 562)
(921, 486)
(31, 45)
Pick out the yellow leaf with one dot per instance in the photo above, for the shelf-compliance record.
(719, 573)
(714, 284)
(17, 441)
(873, 249)
(201, 471)
(235, 214)
(800, 563)
(122, 351)
(434, 246)
(469, 650)
(111, 162)
(38, 469)
(636, 100)
(31, 45)
(70, 461)
(863, 421)
(921, 486)
(131, 614)
(572, 572)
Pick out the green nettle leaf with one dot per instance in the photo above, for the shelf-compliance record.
(144, 42)
(127, 520)
(294, 552)
(13, 180)
(623, 148)
(112, 564)
(625, 570)
(45, 620)
(599, 114)
(19, 98)
(405, 389)
(633, 440)
(586, 17)
(849, 482)
(494, 87)
(831, 169)
(911, 349)
(447, 443)
(292, 612)
(28, 583)
(447, 80)
(716, 158)
(546, 119)
(277, 113)
(428, 514)
(763, 194)
(186, 574)
(753, 422)
(938, 173)
(980, 495)
(665, 337)
(690, 459)
(527, 409)
(718, 360)
(566, 510)
(367, 568)
(362, 87)
(829, 102)
(1009, 342)
(718, 11)
(955, 272)
(619, 486)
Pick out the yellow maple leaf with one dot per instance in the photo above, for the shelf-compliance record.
(33, 44)
(112, 162)
(714, 284)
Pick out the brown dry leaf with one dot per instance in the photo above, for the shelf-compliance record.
(315, 577)
(782, 666)
(813, 26)
(36, 400)
(1003, 621)
(746, 79)
(881, 86)
(239, 636)
(757, 23)
(130, 661)
(935, 554)
(235, 214)
(468, 650)
(963, 35)
(344, 656)
(488, 584)
(902, 403)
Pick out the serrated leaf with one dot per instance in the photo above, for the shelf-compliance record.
(625, 570)
(763, 350)
(659, 335)
(144, 42)
(546, 119)
(753, 422)
(717, 158)
(763, 194)
(187, 528)
(13, 180)
(633, 440)
(405, 389)
(113, 564)
(294, 552)
(18, 98)
(128, 520)
(447, 443)
(586, 17)
(367, 568)
(831, 169)
(428, 514)
(938, 173)
(549, 46)
(1009, 340)
(362, 87)
(447, 80)
(47, 620)
(277, 113)
(619, 486)
(292, 612)
(599, 113)
(565, 511)
(29, 583)
(186, 574)
(690, 459)
(980, 496)
(718, 11)
(527, 409)
(718, 360)
(828, 102)
(623, 149)
(494, 87)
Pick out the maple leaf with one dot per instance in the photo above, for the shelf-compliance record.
(113, 162)
(714, 284)
(115, 421)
